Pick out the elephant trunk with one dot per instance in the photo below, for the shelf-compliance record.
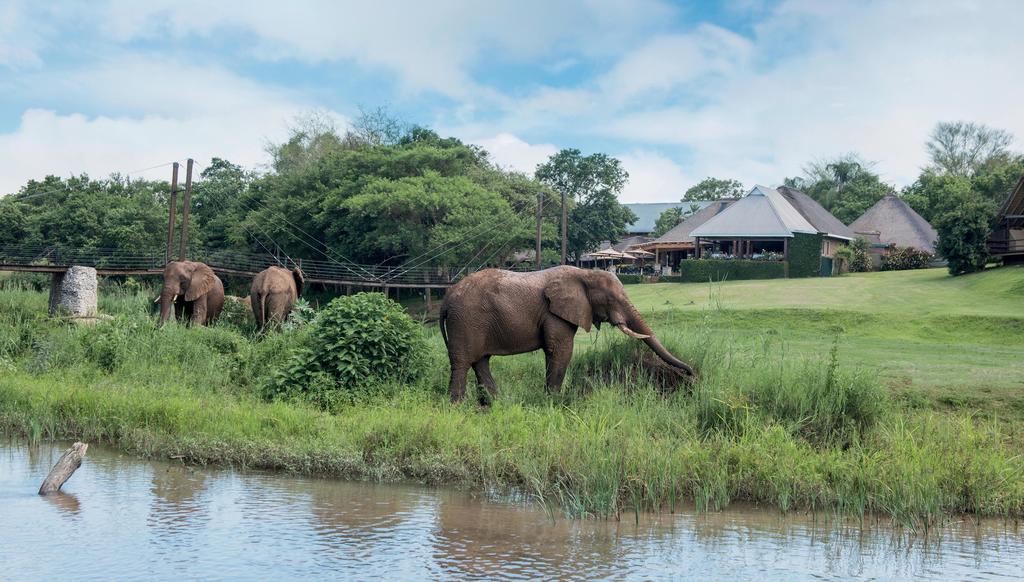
(167, 298)
(640, 330)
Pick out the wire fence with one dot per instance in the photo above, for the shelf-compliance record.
(232, 262)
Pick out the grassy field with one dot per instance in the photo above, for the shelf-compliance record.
(899, 394)
(935, 340)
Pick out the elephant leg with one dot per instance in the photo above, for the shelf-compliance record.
(457, 384)
(482, 368)
(558, 343)
(199, 311)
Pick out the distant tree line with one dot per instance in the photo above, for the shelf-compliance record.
(381, 192)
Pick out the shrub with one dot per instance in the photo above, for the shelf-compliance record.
(629, 279)
(860, 257)
(963, 234)
(905, 258)
(703, 270)
(355, 343)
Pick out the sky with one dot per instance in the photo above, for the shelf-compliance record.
(744, 89)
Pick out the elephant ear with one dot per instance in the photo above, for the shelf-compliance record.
(200, 283)
(568, 300)
(300, 280)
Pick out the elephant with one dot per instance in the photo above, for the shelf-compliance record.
(195, 292)
(497, 313)
(274, 291)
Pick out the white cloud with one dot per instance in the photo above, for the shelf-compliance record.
(229, 118)
(511, 152)
(20, 39)
(652, 178)
(430, 45)
(813, 80)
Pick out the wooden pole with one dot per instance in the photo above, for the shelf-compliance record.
(66, 466)
(565, 228)
(186, 205)
(172, 212)
(540, 205)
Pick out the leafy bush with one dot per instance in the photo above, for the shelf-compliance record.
(859, 255)
(355, 343)
(629, 279)
(905, 258)
(704, 270)
(236, 314)
(963, 234)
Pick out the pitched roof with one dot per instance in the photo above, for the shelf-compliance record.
(816, 214)
(773, 213)
(680, 233)
(647, 213)
(763, 212)
(1014, 206)
(896, 223)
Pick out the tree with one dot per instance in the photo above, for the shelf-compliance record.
(592, 183)
(844, 185)
(963, 233)
(960, 148)
(667, 220)
(714, 189)
(932, 193)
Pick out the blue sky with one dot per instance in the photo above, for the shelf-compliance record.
(746, 89)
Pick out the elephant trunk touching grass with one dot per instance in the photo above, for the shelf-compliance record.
(497, 313)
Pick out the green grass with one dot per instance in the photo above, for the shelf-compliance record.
(833, 408)
(936, 340)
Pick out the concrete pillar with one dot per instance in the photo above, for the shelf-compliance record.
(74, 292)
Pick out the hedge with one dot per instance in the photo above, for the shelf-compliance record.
(629, 279)
(805, 255)
(703, 270)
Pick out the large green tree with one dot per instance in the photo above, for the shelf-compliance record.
(961, 148)
(963, 229)
(714, 189)
(844, 185)
(591, 184)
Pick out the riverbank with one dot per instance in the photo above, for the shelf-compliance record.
(792, 428)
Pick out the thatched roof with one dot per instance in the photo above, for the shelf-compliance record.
(621, 246)
(680, 233)
(896, 223)
(816, 214)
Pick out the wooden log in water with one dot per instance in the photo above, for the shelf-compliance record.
(66, 466)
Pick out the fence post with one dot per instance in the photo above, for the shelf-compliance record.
(186, 206)
(172, 212)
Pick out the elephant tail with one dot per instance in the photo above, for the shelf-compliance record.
(442, 323)
(261, 309)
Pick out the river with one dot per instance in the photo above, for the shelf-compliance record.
(123, 518)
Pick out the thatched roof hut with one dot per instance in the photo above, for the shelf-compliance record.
(891, 221)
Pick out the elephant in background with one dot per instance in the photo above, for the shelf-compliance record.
(274, 291)
(193, 291)
(497, 313)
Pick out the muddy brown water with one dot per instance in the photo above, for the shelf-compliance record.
(123, 518)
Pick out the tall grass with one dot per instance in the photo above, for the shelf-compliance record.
(759, 425)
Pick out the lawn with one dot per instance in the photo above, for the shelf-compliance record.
(935, 339)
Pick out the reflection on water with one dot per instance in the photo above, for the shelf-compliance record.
(122, 518)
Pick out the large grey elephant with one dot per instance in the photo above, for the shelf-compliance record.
(274, 291)
(193, 291)
(497, 313)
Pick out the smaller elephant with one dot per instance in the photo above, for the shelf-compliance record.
(274, 291)
(194, 292)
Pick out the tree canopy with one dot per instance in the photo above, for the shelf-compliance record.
(961, 148)
(714, 189)
(380, 193)
(844, 185)
(592, 183)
